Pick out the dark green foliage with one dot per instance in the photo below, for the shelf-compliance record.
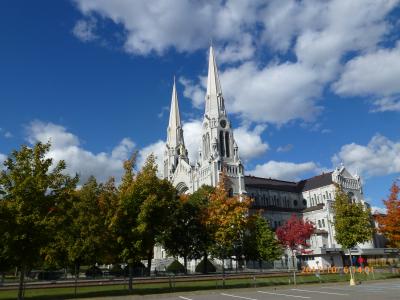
(94, 272)
(209, 267)
(138, 269)
(259, 240)
(176, 267)
(116, 270)
(32, 189)
(50, 275)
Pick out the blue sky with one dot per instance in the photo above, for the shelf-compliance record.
(308, 85)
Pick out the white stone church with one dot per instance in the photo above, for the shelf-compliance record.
(310, 198)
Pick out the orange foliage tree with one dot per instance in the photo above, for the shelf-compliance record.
(389, 224)
(226, 217)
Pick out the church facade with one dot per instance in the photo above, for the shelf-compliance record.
(218, 148)
(311, 199)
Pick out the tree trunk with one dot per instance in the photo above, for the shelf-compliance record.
(130, 270)
(223, 273)
(77, 269)
(185, 264)
(352, 280)
(294, 269)
(2, 278)
(21, 283)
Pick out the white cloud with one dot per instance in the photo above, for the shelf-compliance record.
(317, 35)
(66, 146)
(386, 104)
(194, 92)
(376, 74)
(157, 149)
(259, 94)
(284, 170)
(378, 209)
(3, 157)
(192, 136)
(84, 30)
(380, 157)
(238, 51)
(285, 148)
(250, 142)
(8, 135)
(155, 26)
(5, 133)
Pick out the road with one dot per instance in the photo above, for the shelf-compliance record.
(378, 290)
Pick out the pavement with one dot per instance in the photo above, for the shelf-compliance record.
(377, 290)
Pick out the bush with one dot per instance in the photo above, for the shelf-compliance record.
(176, 267)
(50, 275)
(116, 270)
(94, 271)
(139, 269)
(210, 268)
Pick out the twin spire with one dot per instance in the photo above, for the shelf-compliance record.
(214, 104)
(175, 132)
(214, 101)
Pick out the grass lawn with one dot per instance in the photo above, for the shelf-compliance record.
(144, 289)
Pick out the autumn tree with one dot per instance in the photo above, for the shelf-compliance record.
(352, 223)
(226, 217)
(294, 235)
(260, 243)
(31, 187)
(389, 224)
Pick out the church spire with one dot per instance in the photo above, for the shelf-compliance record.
(175, 132)
(214, 100)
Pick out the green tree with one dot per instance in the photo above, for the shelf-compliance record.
(82, 235)
(30, 188)
(352, 221)
(124, 220)
(157, 201)
(6, 258)
(202, 237)
(186, 236)
(260, 243)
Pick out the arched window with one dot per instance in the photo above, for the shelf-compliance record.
(221, 143)
(227, 144)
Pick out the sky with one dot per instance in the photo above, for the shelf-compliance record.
(308, 85)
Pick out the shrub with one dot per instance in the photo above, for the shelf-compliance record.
(210, 268)
(176, 267)
(94, 271)
(138, 269)
(116, 270)
(50, 275)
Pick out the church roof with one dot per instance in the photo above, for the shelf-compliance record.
(272, 184)
(321, 180)
(289, 186)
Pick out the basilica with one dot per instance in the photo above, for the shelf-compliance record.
(310, 198)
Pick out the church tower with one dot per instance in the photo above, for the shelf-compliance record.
(175, 149)
(218, 151)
